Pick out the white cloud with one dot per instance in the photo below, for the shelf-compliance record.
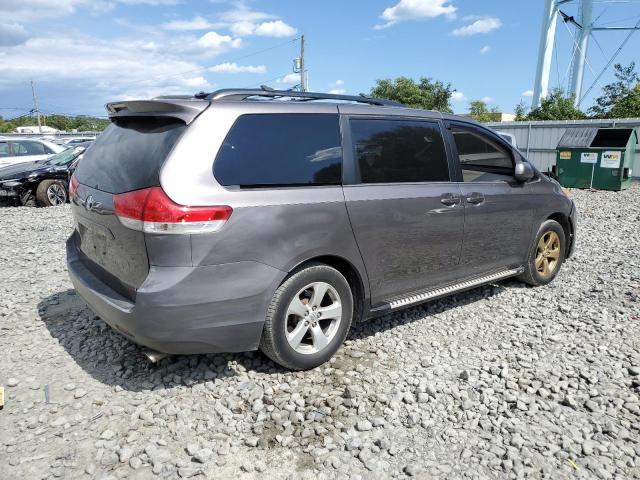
(35, 10)
(196, 82)
(212, 43)
(109, 69)
(487, 99)
(416, 10)
(276, 28)
(338, 91)
(242, 29)
(29, 10)
(482, 25)
(232, 67)
(485, 49)
(242, 21)
(339, 82)
(197, 23)
(149, 2)
(527, 93)
(244, 14)
(12, 34)
(458, 96)
(290, 78)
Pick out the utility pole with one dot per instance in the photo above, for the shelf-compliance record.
(303, 76)
(35, 106)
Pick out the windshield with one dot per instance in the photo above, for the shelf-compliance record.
(65, 156)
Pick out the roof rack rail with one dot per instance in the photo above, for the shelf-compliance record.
(231, 94)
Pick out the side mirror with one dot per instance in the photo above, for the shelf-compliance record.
(524, 172)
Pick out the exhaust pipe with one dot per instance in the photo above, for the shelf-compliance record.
(153, 356)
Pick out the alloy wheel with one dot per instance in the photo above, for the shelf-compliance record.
(547, 254)
(56, 194)
(313, 318)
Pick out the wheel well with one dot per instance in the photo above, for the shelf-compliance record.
(351, 274)
(563, 220)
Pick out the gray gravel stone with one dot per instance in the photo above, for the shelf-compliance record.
(499, 381)
(364, 425)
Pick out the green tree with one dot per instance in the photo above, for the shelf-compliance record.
(480, 111)
(620, 98)
(80, 123)
(628, 106)
(521, 112)
(556, 106)
(426, 93)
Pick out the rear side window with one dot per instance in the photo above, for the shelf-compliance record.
(399, 151)
(33, 148)
(4, 149)
(290, 149)
(129, 153)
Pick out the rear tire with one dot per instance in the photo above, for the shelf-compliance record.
(308, 318)
(546, 255)
(50, 193)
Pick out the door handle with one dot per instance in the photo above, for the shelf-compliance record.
(475, 198)
(449, 199)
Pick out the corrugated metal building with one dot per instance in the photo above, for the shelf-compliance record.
(539, 139)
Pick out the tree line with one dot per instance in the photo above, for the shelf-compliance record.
(619, 99)
(80, 123)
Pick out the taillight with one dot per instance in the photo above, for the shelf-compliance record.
(150, 210)
(73, 187)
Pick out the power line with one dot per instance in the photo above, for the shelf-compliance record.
(585, 57)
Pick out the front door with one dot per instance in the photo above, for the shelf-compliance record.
(405, 212)
(497, 226)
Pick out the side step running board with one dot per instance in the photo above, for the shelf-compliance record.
(444, 291)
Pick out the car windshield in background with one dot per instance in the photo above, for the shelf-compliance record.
(66, 156)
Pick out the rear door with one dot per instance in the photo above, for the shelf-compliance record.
(404, 210)
(127, 156)
(497, 226)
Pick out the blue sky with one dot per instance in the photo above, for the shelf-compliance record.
(83, 53)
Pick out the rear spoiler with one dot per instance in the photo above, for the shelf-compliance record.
(182, 109)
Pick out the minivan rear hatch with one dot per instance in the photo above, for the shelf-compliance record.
(127, 156)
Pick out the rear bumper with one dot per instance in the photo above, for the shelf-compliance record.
(185, 310)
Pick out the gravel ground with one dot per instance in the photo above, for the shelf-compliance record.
(503, 381)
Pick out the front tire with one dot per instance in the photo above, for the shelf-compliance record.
(546, 255)
(51, 193)
(308, 318)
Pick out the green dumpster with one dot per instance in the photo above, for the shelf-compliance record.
(591, 157)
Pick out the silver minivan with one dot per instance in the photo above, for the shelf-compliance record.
(246, 219)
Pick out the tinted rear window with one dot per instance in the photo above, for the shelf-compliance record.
(129, 153)
(281, 150)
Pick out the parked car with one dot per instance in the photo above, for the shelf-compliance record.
(77, 140)
(509, 137)
(44, 182)
(240, 220)
(14, 150)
